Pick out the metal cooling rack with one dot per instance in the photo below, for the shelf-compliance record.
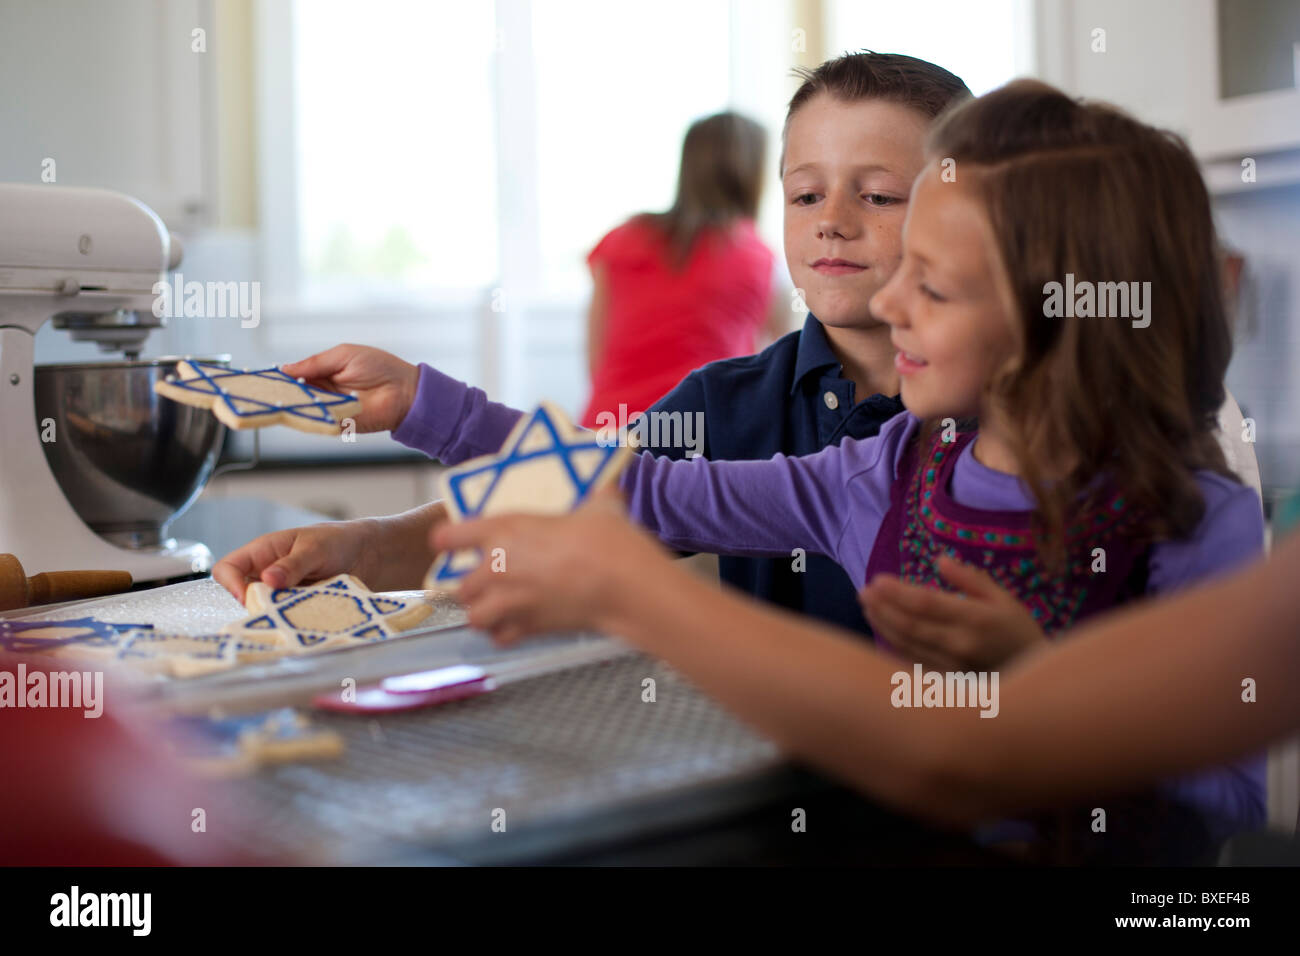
(551, 749)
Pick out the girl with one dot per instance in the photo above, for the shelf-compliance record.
(675, 290)
(1094, 476)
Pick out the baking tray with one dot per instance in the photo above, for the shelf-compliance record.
(201, 606)
(567, 740)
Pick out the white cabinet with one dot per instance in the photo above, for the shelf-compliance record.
(1161, 59)
(115, 95)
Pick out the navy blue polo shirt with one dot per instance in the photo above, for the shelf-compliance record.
(790, 398)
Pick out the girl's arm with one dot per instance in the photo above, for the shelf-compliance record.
(1138, 695)
(423, 408)
(1229, 536)
(829, 503)
(749, 508)
(452, 421)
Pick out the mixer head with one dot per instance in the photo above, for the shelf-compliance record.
(88, 258)
(121, 330)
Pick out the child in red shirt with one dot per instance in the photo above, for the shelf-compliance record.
(682, 288)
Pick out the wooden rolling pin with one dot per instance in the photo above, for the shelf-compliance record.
(18, 590)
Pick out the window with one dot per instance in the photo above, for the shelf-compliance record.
(396, 148)
(613, 101)
(435, 172)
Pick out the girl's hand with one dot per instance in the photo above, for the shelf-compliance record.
(387, 554)
(545, 574)
(384, 383)
(980, 628)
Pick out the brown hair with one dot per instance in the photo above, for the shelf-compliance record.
(1073, 187)
(867, 75)
(720, 180)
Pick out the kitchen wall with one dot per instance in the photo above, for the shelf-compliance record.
(1264, 226)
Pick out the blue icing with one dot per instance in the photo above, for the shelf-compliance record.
(443, 572)
(221, 735)
(316, 405)
(560, 448)
(371, 608)
(95, 633)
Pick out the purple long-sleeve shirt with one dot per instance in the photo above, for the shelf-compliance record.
(833, 502)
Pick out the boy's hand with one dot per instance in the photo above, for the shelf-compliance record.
(387, 554)
(564, 573)
(383, 382)
(284, 559)
(980, 628)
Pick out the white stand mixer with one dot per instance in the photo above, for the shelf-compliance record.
(90, 258)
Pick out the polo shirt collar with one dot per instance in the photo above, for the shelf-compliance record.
(814, 354)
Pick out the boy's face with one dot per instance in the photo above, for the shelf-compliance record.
(848, 173)
(949, 305)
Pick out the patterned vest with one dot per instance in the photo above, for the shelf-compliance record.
(924, 522)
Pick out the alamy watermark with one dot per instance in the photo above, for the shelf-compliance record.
(1102, 300)
(129, 910)
(40, 688)
(653, 429)
(922, 688)
(208, 300)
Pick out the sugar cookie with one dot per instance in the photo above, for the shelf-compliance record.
(137, 645)
(74, 637)
(257, 398)
(192, 655)
(340, 611)
(546, 466)
(235, 746)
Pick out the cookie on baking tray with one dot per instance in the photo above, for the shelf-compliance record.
(83, 637)
(221, 746)
(547, 465)
(258, 397)
(137, 645)
(337, 612)
(192, 655)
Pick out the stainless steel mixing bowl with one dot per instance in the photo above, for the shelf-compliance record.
(127, 459)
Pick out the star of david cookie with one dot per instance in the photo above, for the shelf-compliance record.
(238, 745)
(81, 637)
(137, 645)
(190, 655)
(257, 398)
(340, 611)
(546, 466)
